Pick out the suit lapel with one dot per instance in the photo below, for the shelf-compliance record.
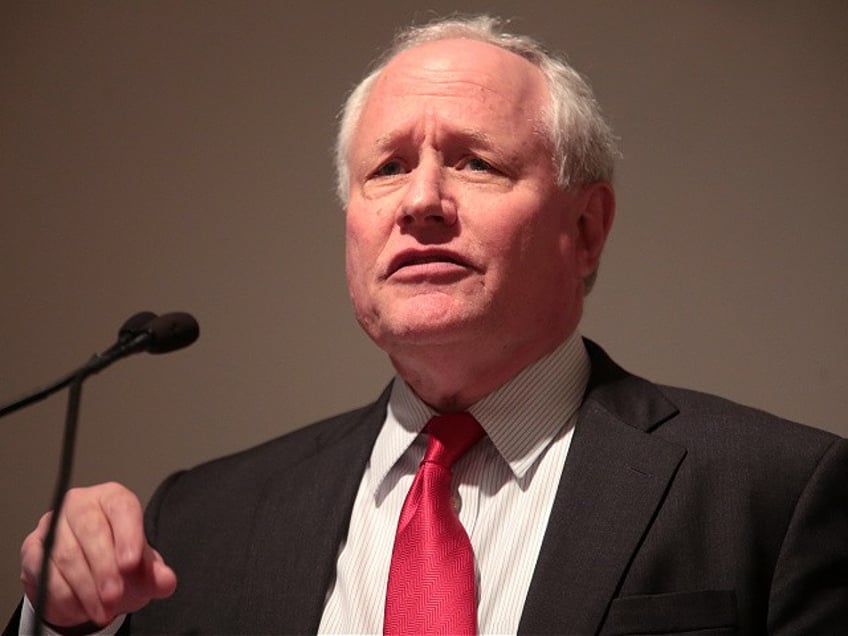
(299, 526)
(615, 478)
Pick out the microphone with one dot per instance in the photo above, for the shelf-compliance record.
(144, 331)
(160, 334)
(135, 324)
(132, 326)
(171, 332)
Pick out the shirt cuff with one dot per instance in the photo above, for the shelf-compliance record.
(27, 626)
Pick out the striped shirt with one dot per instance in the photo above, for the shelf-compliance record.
(504, 489)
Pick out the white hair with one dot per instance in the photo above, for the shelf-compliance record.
(584, 147)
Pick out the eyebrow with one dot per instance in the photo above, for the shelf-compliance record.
(476, 137)
(472, 136)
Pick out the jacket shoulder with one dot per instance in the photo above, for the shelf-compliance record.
(739, 430)
(234, 482)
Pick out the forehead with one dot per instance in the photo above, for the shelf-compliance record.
(449, 77)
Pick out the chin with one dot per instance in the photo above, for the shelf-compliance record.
(429, 319)
(423, 332)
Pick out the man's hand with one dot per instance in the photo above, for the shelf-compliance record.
(102, 565)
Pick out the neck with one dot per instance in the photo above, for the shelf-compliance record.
(449, 379)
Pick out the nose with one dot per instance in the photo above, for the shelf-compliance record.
(424, 201)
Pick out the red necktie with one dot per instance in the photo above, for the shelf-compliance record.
(431, 578)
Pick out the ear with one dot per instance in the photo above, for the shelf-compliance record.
(596, 206)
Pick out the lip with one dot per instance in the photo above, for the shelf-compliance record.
(427, 261)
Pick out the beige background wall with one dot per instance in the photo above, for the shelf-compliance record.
(175, 155)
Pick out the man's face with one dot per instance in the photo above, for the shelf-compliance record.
(457, 233)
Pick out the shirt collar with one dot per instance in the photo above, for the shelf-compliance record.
(521, 418)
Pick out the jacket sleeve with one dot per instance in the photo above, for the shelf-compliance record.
(809, 591)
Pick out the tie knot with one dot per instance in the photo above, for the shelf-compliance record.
(451, 435)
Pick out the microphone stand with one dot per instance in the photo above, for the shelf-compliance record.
(96, 363)
(65, 466)
(132, 336)
(38, 395)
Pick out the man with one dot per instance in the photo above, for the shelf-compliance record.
(476, 173)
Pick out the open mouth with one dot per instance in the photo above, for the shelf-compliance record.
(419, 259)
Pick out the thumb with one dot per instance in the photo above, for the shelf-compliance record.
(161, 577)
(151, 579)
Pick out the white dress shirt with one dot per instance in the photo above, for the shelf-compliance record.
(504, 488)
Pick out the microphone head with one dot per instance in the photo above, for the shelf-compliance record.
(135, 324)
(172, 331)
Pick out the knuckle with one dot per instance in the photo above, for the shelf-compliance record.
(29, 570)
(31, 555)
(73, 495)
(29, 582)
(66, 555)
(121, 505)
(30, 545)
(88, 525)
(43, 523)
(111, 489)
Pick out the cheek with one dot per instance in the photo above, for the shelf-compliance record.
(539, 255)
(366, 230)
(358, 288)
(523, 244)
(351, 272)
(363, 245)
(354, 253)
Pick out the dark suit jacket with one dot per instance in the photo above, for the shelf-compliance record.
(677, 512)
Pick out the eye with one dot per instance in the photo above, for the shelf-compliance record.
(475, 164)
(389, 169)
